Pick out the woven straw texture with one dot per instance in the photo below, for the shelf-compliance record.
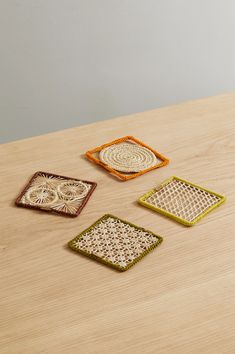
(127, 158)
(182, 200)
(55, 193)
(115, 242)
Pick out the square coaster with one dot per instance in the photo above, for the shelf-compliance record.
(115, 242)
(181, 200)
(127, 157)
(54, 193)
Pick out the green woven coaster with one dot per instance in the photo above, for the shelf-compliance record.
(115, 242)
(181, 200)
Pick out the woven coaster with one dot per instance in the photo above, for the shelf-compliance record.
(127, 157)
(54, 193)
(183, 201)
(115, 242)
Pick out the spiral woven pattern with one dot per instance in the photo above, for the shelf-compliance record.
(128, 157)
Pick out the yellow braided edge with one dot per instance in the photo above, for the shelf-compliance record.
(142, 201)
(101, 260)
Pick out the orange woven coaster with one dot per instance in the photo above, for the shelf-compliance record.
(127, 157)
(115, 242)
(54, 193)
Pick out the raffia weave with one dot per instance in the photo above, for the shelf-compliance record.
(182, 200)
(115, 242)
(55, 193)
(128, 157)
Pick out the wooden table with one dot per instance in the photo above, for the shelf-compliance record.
(178, 299)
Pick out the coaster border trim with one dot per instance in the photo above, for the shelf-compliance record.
(142, 201)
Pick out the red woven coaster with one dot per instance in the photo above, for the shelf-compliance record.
(57, 194)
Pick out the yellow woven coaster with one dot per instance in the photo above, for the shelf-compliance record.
(181, 200)
(115, 242)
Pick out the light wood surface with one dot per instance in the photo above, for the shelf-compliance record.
(178, 300)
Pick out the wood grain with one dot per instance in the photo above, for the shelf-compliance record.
(178, 300)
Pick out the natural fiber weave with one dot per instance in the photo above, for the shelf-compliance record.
(73, 190)
(181, 200)
(115, 242)
(50, 192)
(127, 157)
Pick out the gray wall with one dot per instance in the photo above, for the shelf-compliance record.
(69, 62)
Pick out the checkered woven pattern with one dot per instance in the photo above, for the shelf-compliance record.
(183, 200)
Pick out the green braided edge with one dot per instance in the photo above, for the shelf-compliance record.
(101, 260)
(142, 201)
